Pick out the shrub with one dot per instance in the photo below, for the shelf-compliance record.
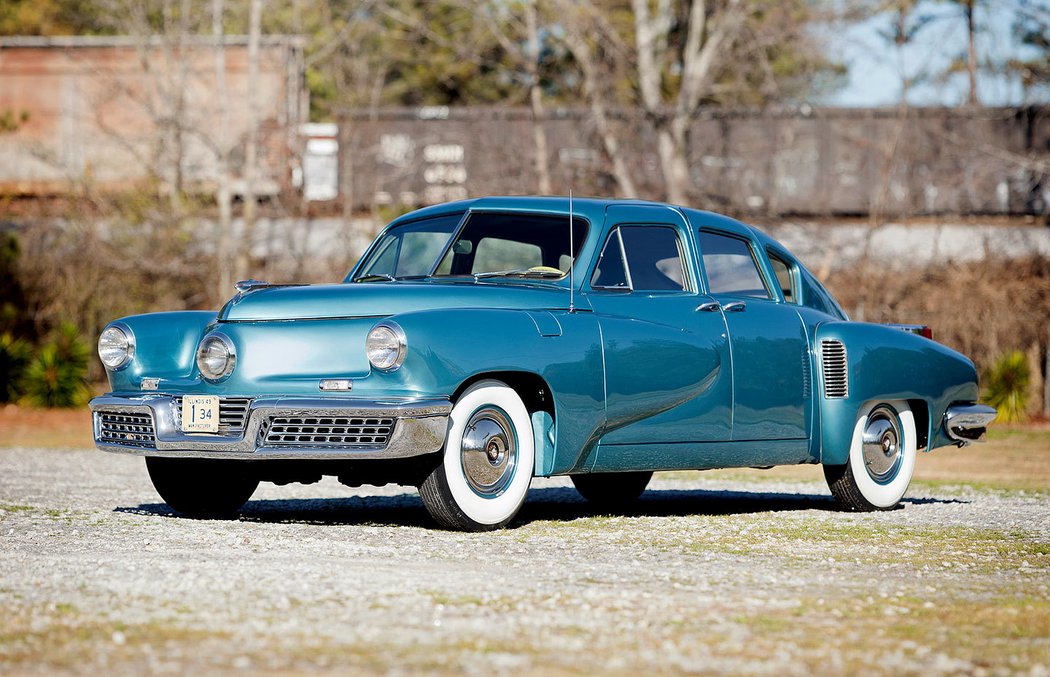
(1006, 387)
(14, 355)
(57, 374)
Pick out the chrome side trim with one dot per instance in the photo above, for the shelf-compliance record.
(419, 428)
(968, 423)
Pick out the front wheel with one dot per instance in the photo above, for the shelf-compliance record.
(881, 459)
(202, 487)
(486, 467)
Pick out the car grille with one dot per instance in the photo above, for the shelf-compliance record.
(834, 364)
(130, 430)
(233, 413)
(326, 431)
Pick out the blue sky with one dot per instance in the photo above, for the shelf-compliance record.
(877, 68)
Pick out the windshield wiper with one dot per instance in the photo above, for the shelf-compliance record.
(521, 272)
(372, 277)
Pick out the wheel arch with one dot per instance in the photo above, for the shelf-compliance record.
(536, 395)
(920, 410)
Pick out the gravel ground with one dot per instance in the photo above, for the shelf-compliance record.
(97, 575)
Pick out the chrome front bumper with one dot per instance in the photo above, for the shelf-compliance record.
(419, 427)
(968, 423)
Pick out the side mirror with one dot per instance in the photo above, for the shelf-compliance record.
(462, 247)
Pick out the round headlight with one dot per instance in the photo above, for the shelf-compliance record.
(386, 346)
(216, 357)
(116, 346)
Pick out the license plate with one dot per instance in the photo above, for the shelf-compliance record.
(200, 414)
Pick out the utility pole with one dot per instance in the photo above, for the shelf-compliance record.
(251, 151)
(223, 195)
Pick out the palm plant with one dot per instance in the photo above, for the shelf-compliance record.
(57, 374)
(1006, 387)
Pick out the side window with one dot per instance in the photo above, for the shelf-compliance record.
(653, 260)
(784, 278)
(730, 266)
(611, 273)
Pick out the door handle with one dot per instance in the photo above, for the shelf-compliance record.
(734, 307)
(708, 307)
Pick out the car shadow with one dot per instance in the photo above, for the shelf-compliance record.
(548, 504)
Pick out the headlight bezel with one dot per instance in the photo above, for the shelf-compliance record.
(399, 337)
(129, 349)
(231, 356)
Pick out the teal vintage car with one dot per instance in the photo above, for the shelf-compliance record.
(482, 343)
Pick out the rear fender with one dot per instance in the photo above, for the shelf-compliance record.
(885, 363)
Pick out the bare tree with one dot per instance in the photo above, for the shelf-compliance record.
(539, 133)
(971, 50)
(223, 193)
(709, 33)
(251, 147)
(584, 36)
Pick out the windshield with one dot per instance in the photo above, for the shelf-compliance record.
(409, 250)
(488, 245)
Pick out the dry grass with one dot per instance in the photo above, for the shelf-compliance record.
(50, 428)
(1014, 458)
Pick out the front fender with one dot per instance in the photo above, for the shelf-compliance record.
(165, 347)
(448, 347)
(884, 363)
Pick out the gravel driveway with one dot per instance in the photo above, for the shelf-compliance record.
(97, 575)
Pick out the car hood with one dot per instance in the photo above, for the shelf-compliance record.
(381, 299)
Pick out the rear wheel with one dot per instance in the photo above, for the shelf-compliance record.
(486, 467)
(613, 489)
(881, 459)
(202, 487)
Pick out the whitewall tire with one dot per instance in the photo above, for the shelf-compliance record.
(881, 458)
(487, 462)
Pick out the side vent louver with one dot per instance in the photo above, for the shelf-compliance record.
(833, 363)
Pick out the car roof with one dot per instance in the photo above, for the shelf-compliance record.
(591, 208)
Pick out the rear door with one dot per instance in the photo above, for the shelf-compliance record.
(770, 350)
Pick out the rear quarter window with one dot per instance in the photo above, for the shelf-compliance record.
(730, 266)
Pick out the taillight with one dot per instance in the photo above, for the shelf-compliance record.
(927, 332)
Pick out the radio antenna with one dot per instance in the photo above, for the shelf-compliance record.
(572, 260)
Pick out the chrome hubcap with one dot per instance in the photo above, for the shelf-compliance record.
(883, 444)
(489, 451)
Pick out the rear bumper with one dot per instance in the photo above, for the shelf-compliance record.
(149, 426)
(968, 423)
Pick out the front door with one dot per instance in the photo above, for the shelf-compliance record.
(667, 376)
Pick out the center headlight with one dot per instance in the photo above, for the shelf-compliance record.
(386, 346)
(116, 346)
(216, 356)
